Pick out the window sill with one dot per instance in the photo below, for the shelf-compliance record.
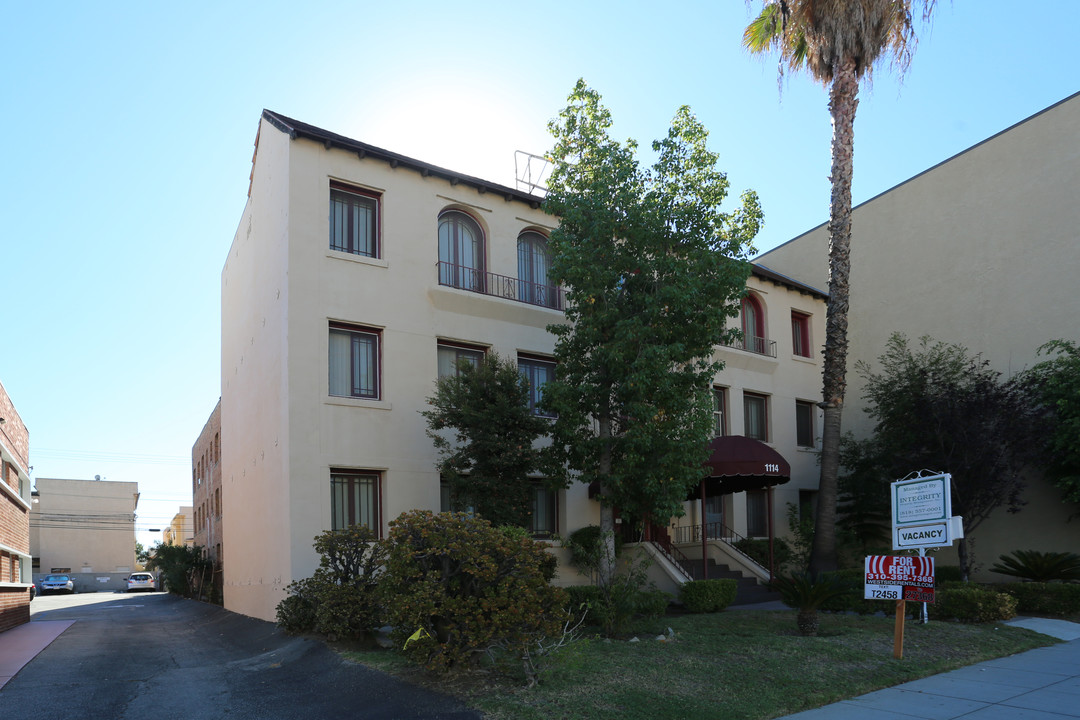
(359, 402)
(17, 586)
(804, 359)
(361, 259)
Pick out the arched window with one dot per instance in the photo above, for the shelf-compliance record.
(533, 263)
(461, 252)
(753, 325)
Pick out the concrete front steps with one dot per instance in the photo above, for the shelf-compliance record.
(749, 592)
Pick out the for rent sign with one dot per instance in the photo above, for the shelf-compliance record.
(903, 577)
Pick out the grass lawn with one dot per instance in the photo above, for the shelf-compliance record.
(732, 665)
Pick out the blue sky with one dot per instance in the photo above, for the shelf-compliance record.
(130, 129)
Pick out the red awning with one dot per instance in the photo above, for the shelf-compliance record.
(738, 463)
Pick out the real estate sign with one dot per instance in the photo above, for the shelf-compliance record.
(921, 509)
(903, 577)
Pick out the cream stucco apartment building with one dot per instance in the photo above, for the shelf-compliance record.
(15, 504)
(355, 277)
(983, 250)
(84, 528)
(181, 529)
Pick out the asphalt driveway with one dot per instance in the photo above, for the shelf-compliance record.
(156, 655)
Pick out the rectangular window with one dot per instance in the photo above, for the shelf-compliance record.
(354, 221)
(757, 513)
(719, 411)
(354, 499)
(544, 519)
(804, 423)
(451, 355)
(755, 416)
(354, 361)
(449, 503)
(800, 334)
(538, 373)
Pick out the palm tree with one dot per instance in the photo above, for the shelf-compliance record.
(838, 42)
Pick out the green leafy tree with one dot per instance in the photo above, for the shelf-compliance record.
(938, 407)
(653, 269)
(180, 565)
(838, 42)
(490, 454)
(1058, 382)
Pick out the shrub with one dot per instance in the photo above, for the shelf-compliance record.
(758, 550)
(340, 600)
(457, 588)
(708, 596)
(972, 604)
(582, 597)
(1040, 567)
(1059, 599)
(296, 613)
(652, 603)
(947, 573)
(807, 595)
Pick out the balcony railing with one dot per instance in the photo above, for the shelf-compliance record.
(758, 345)
(489, 283)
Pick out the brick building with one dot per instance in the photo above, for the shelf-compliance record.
(15, 506)
(206, 486)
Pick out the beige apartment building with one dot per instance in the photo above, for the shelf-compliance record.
(356, 277)
(15, 504)
(85, 528)
(181, 529)
(982, 250)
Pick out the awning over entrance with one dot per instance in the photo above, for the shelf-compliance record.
(738, 463)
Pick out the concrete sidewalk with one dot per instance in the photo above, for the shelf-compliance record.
(22, 643)
(1040, 684)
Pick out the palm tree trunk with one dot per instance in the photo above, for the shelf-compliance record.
(843, 101)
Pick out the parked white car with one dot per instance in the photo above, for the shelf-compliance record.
(57, 583)
(141, 581)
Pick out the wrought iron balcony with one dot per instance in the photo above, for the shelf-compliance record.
(758, 345)
(488, 283)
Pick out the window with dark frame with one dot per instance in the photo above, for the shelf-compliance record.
(354, 361)
(800, 334)
(449, 355)
(719, 411)
(544, 519)
(804, 423)
(755, 416)
(757, 513)
(354, 499)
(533, 263)
(461, 252)
(354, 221)
(538, 372)
(753, 325)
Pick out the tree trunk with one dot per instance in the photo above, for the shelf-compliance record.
(607, 513)
(843, 101)
(964, 559)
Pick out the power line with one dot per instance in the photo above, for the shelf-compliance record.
(90, 455)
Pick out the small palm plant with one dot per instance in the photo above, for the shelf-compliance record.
(806, 594)
(1040, 566)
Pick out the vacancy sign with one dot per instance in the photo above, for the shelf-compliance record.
(921, 511)
(904, 577)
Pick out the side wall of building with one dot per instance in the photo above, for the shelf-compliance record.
(980, 250)
(15, 503)
(85, 527)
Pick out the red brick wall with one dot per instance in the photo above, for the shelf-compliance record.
(14, 607)
(14, 517)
